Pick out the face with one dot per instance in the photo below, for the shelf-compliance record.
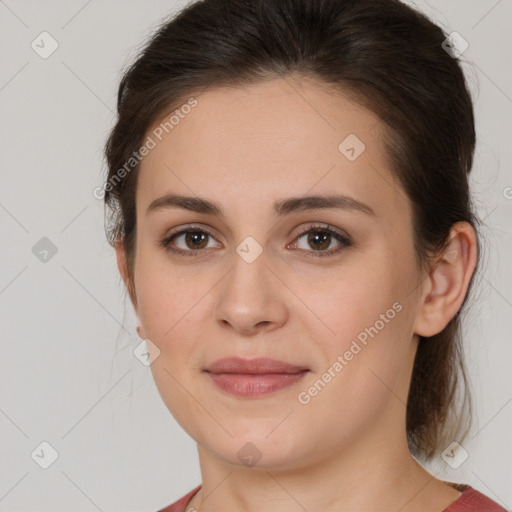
(327, 287)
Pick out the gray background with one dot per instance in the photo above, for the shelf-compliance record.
(67, 374)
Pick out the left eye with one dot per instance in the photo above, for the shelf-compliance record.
(320, 239)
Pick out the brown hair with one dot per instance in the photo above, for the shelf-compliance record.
(391, 58)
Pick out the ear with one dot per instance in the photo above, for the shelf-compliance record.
(122, 265)
(445, 287)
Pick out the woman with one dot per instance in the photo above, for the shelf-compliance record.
(288, 181)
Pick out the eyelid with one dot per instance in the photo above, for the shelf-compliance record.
(322, 227)
(188, 227)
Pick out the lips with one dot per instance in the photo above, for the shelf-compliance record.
(252, 378)
(262, 365)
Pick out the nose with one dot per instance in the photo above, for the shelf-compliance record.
(252, 299)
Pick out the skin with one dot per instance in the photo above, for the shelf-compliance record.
(346, 449)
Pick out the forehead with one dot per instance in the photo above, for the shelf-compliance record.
(258, 143)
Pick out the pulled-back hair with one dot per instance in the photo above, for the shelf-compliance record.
(386, 55)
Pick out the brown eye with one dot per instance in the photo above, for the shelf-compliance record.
(191, 241)
(320, 238)
(196, 239)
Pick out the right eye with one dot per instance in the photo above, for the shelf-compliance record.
(194, 241)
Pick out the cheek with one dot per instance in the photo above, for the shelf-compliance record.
(367, 342)
(362, 377)
(169, 319)
(175, 390)
(355, 302)
(166, 297)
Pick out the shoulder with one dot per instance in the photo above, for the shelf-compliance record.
(472, 500)
(179, 506)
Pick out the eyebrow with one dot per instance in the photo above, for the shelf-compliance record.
(281, 208)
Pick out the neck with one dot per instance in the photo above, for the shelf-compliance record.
(381, 475)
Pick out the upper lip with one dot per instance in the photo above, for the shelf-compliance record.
(252, 366)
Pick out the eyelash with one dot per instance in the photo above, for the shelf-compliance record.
(325, 229)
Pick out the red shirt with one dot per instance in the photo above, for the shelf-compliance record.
(469, 501)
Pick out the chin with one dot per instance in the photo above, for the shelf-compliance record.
(259, 450)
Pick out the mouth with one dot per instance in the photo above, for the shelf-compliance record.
(260, 365)
(254, 377)
(255, 385)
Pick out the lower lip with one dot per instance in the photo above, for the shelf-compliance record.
(247, 385)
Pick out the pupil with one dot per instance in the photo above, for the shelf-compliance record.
(317, 235)
(195, 236)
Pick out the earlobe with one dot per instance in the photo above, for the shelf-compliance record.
(448, 282)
